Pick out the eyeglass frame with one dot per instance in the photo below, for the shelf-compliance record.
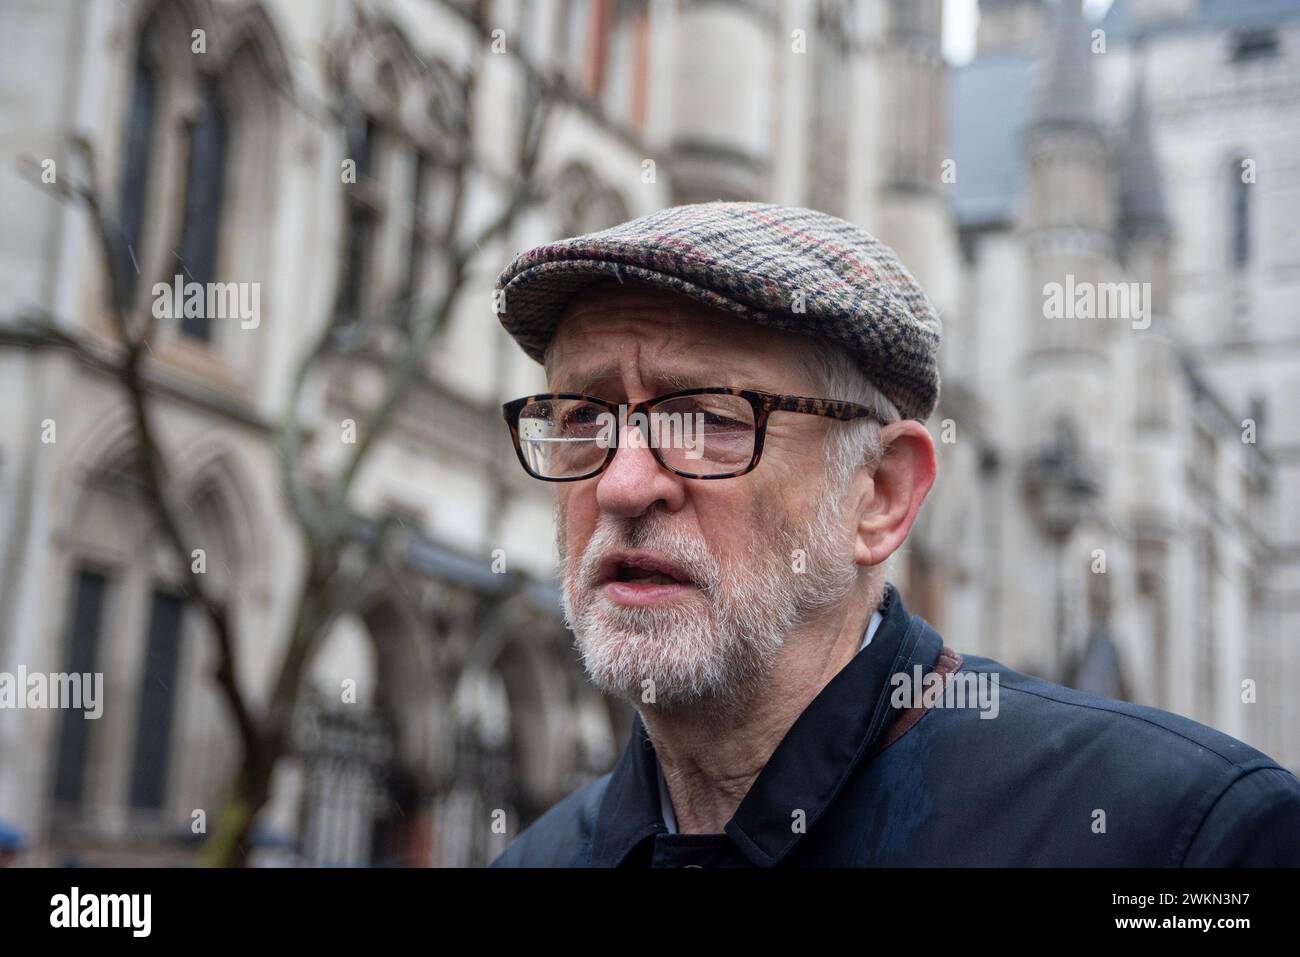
(762, 403)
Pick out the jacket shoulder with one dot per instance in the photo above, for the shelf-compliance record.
(562, 836)
(1226, 803)
(1255, 822)
(1174, 738)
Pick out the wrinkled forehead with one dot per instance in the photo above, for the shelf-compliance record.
(635, 335)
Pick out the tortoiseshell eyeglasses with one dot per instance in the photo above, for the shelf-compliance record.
(696, 433)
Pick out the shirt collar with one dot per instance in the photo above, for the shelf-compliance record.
(665, 799)
(827, 742)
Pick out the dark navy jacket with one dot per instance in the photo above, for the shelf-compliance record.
(1057, 778)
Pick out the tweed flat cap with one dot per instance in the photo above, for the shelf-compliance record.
(780, 266)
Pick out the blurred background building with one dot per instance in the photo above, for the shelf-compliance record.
(1155, 146)
(1104, 516)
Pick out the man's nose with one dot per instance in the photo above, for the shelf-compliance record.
(635, 480)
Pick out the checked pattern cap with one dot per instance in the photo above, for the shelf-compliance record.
(780, 266)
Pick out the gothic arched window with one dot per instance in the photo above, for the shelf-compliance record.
(1239, 214)
(197, 162)
(141, 121)
(376, 199)
(362, 214)
(200, 236)
(401, 154)
(172, 747)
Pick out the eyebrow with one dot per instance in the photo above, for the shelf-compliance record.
(669, 381)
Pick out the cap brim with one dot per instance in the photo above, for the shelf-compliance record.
(535, 298)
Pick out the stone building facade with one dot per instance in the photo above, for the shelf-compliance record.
(1131, 487)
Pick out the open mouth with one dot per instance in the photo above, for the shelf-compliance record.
(642, 575)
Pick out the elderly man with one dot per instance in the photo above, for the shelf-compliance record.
(735, 430)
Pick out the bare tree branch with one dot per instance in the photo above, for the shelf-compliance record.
(337, 563)
(128, 373)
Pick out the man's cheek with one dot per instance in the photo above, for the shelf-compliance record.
(562, 537)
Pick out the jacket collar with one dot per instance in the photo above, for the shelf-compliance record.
(827, 742)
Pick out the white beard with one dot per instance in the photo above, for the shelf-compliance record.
(713, 650)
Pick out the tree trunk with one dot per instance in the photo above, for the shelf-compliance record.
(231, 844)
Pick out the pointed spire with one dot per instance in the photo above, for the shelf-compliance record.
(1064, 93)
(1142, 195)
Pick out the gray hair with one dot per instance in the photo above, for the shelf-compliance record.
(855, 443)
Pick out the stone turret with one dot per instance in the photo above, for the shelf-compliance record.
(1068, 225)
(1070, 214)
(724, 100)
(1142, 194)
(1069, 163)
(1145, 225)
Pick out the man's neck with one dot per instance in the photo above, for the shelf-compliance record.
(710, 761)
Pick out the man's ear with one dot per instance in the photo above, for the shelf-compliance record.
(893, 495)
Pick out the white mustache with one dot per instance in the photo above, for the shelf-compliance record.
(688, 552)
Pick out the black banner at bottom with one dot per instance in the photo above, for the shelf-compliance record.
(214, 907)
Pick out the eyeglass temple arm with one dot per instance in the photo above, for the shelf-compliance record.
(830, 408)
